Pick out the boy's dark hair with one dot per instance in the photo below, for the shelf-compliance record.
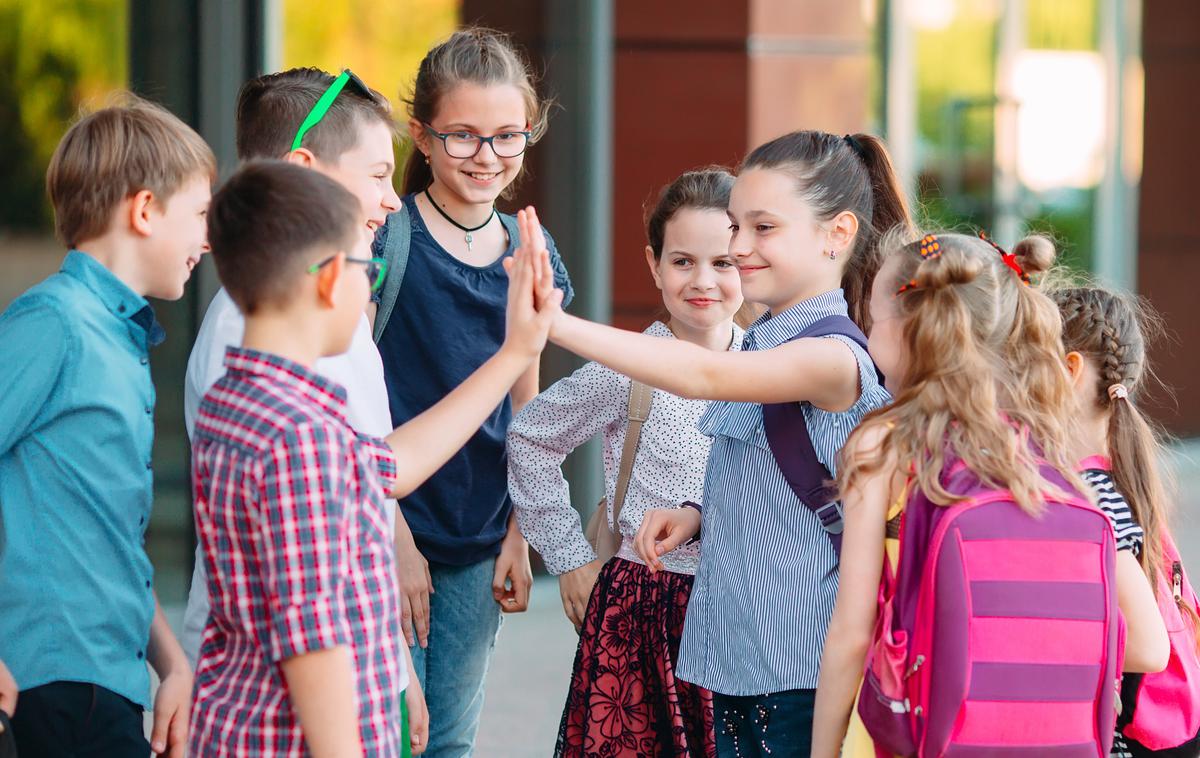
(114, 153)
(270, 109)
(269, 222)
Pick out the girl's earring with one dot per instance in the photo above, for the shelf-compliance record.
(426, 159)
(832, 255)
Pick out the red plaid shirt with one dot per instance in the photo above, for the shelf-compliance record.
(290, 513)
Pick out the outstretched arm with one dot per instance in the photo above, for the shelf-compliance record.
(821, 371)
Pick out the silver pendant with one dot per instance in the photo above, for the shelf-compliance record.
(470, 239)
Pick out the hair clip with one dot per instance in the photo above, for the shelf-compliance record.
(1009, 259)
(930, 248)
(1117, 392)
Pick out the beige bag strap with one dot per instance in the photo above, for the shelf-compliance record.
(640, 398)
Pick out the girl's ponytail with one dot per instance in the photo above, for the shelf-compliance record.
(889, 209)
(1106, 328)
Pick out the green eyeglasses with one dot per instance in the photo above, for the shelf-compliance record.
(324, 103)
(376, 269)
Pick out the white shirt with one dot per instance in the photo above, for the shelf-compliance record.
(359, 370)
(667, 470)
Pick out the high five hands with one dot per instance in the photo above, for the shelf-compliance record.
(533, 300)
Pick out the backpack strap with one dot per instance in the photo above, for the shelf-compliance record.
(787, 436)
(391, 244)
(641, 397)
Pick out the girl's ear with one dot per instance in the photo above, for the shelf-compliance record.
(1075, 366)
(420, 136)
(842, 232)
(653, 264)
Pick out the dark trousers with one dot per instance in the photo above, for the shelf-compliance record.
(777, 725)
(74, 720)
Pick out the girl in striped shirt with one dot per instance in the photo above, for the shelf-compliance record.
(1106, 360)
(805, 213)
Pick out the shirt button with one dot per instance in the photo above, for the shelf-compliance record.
(149, 410)
(140, 655)
(121, 308)
(141, 520)
(145, 361)
(149, 465)
(147, 584)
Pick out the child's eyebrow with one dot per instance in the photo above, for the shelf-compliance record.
(758, 214)
(464, 127)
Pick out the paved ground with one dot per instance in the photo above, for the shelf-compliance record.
(532, 664)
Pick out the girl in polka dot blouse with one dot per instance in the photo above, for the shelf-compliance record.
(630, 620)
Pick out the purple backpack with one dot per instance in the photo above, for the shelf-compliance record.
(787, 436)
(999, 634)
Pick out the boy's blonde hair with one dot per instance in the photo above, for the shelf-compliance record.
(117, 152)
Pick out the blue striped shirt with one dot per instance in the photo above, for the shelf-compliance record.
(764, 591)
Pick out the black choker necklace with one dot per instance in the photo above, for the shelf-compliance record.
(469, 230)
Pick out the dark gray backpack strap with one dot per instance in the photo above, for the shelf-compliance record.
(392, 243)
(511, 228)
(787, 435)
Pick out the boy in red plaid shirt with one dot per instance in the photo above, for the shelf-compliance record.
(290, 501)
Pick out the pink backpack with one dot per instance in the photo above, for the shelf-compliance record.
(999, 633)
(1161, 711)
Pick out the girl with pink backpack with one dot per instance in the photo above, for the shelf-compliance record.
(1106, 360)
(995, 629)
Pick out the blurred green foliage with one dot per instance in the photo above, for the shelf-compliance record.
(55, 56)
(956, 74)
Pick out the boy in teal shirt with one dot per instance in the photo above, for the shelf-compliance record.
(79, 621)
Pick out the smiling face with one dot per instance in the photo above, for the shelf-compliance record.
(180, 237)
(777, 241)
(366, 170)
(483, 110)
(698, 278)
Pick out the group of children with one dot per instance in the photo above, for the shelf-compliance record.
(744, 602)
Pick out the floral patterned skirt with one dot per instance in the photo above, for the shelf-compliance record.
(624, 698)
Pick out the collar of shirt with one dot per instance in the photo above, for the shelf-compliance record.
(326, 394)
(117, 297)
(771, 331)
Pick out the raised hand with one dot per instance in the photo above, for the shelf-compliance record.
(530, 315)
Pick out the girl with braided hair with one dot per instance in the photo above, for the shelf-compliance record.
(1106, 361)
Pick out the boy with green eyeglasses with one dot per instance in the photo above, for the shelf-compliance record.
(342, 129)
(303, 647)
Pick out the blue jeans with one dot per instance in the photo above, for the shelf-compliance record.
(777, 725)
(463, 621)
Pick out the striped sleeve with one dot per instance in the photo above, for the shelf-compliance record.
(1129, 534)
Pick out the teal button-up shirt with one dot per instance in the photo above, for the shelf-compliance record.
(76, 431)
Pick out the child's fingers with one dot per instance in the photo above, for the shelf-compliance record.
(539, 237)
(644, 542)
